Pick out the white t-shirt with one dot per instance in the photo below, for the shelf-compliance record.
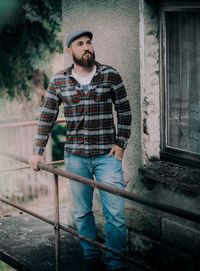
(84, 80)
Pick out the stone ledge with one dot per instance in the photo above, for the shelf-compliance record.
(172, 175)
(181, 235)
(31, 242)
(141, 219)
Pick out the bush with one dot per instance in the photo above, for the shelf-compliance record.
(27, 43)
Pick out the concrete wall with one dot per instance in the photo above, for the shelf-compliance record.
(115, 25)
(21, 186)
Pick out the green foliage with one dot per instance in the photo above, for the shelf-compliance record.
(59, 138)
(26, 44)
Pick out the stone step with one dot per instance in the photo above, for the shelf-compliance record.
(27, 243)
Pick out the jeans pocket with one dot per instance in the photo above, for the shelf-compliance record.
(118, 159)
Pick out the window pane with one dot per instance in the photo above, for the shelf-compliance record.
(183, 80)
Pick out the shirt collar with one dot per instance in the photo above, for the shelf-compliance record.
(68, 71)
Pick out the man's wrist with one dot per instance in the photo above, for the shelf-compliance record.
(121, 143)
(38, 151)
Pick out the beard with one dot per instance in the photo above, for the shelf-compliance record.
(86, 62)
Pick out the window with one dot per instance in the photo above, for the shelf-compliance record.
(180, 62)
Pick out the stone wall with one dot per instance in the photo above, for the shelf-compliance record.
(163, 241)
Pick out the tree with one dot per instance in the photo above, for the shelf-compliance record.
(27, 43)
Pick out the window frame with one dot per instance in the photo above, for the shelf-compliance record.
(169, 153)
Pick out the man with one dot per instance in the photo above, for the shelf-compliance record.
(93, 149)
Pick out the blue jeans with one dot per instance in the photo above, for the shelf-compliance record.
(108, 170)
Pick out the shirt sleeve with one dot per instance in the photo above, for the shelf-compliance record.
(122, 107)
(47, 118)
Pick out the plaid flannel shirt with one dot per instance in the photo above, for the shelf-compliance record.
(90, 128)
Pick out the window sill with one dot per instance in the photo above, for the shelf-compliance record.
(173, 176)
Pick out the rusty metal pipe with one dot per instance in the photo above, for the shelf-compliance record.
(57, 222)
(28, 167)
(116, 191)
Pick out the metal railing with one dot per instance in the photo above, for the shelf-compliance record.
(116, 191)
(51, 167)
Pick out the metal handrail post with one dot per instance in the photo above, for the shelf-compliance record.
(56, 222)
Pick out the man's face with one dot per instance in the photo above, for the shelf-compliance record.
(82, 52)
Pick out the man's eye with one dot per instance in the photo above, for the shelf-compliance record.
(80, 43)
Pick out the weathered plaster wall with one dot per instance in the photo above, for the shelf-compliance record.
(115, 25)
(150, 93)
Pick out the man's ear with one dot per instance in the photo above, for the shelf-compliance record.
(69, 51)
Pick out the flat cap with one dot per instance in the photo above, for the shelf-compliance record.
(77, 34)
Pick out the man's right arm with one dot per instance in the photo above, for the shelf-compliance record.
(46, 121)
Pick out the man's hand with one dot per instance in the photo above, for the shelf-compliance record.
(34, 160)
(117, 151)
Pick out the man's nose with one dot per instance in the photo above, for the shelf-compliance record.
(86, 47)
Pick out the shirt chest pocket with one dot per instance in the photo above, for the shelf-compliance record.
(71, 99)
(102, 95)
(73, 106)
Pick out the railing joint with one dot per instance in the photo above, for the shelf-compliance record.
(56, 227)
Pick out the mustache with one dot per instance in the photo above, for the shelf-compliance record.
(87, 52)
